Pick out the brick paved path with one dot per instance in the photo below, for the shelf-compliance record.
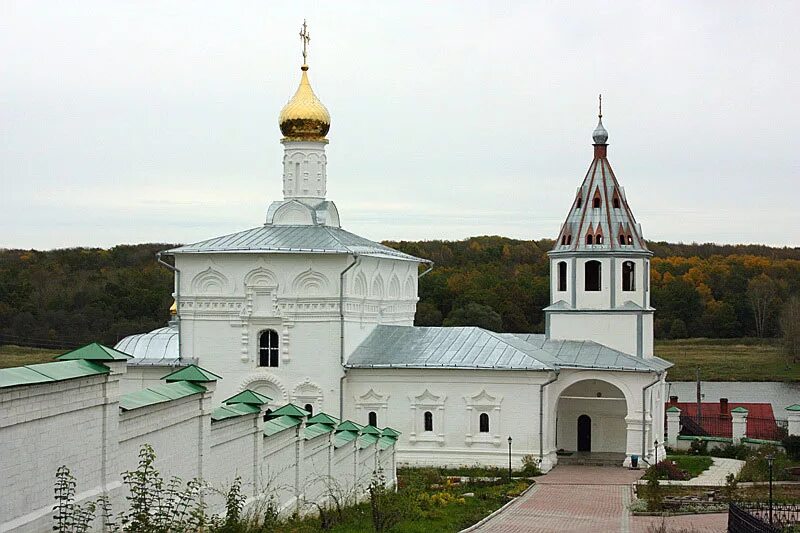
(585, 499)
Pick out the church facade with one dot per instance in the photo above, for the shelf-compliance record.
(303, 311)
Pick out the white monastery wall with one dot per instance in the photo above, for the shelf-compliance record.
(141, 376)
(78, 423)
(43, 427)
(456, 399)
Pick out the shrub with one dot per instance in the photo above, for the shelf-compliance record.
(665, 469)
(698, 447)
(654, 495)
(730, 488)
(792, 445)
(757, 467)
(530, 466)
(731, 451)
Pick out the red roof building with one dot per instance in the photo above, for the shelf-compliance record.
(715, 419)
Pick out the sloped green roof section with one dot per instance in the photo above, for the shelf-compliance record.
(739, 410)
(45, 372)
(385, 442)
(21, 375)
(795, 407)
(673, 409)
(370, 430)
(249, 397)
(323, 418)
(289, 409)
(389, 432)
(231, 411)
(348, 425)
(368, 439)
(276, 425)
(95, 352)
(192, 373)
(159, 394)
(315, 430)
(343, 437)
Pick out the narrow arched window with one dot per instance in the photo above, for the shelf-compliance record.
(483, 423)
(266, 414)
(630, 239)
(372, 419)
(563, 240)
(628, 276)
(596, 202)
(591, 271)
(579, 203)
(428, 421)
(589, 238)
(621, 238)
(615, 202)
(562, 275)
(598, 239)
(310, 408)
(268, 352)
(569, 239)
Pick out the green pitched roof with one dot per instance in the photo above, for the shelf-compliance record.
(367, 439)
(94, 352)
(192, 373)
(389, 432)
(371, 430)
(276, 425)
(673, 409)
(795, 407)
(739, 410)
(322, 418)
(47, 372)
(343, 437)
(249, 397)
(385, 442)
(230, 411)
(347, 425)
(159, 394)
(315, 430)
(289, 409)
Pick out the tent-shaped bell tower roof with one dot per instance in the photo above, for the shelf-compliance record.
(600, 218)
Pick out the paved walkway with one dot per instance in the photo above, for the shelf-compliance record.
(586, 499)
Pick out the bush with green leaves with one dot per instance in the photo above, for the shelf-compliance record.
(530, 466)
(698, 447)
(791, 444)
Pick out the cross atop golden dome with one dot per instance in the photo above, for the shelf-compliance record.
(304, 118)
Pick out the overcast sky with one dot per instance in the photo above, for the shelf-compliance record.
(127, 122)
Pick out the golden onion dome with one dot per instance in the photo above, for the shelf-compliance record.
(305, 118)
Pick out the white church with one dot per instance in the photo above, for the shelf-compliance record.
(303, 311)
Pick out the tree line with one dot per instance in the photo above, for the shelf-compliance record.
(63, 298)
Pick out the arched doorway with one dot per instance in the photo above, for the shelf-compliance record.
(584, 433)
(590, 417)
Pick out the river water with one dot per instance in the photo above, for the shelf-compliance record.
(780, 395)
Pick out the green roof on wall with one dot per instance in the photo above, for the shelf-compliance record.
(322, 418)
(343, 437)
(250, 397)
(230, 411)
(795, 407)
(348, 425)
(94, 352)
(371, 430)
(159, 394)
(289, 409)
(192, 373)
(315, 430)
(47, 372)
(276, 425)
(739, 410)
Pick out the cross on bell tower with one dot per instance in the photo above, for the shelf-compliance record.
(306, 38)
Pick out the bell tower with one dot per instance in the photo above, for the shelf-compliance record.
(600, 265)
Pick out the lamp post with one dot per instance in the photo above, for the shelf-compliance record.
(509, 459)
(770, 459)
(656, 451)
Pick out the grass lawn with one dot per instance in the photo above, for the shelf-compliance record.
(693, 464)
(11, 355)
(727, 360)
(425, 503)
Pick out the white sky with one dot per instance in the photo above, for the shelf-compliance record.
(125, 122)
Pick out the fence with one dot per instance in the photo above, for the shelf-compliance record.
(755, 518)
(721, 426)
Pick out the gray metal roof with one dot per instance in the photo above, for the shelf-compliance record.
(294, 239)
(590, 354)
(157, 347)
(476, 348)
(425, 347)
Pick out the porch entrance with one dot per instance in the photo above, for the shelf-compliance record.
(584, 433)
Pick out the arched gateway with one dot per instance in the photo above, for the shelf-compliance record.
(590, 417)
